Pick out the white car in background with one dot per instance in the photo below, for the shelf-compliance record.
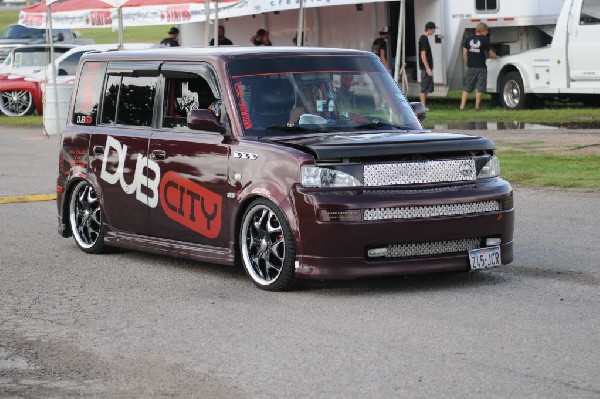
(21, 88)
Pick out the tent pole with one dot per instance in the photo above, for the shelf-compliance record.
(206, 27)
(53, 69)
(216, 27)
(400, 71)
(120, 16)
(300, 33)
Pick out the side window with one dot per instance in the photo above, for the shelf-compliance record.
(486, 6)
(590, 12)
(129, 100)
(183, 95)
(87, 98)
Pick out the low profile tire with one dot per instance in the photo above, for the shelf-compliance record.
(267, 247)
(85, 217)
(512, 94)
(16, 103)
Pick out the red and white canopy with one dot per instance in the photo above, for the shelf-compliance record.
(103, 13)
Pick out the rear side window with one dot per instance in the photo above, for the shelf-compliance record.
(87, 99)
(129, 100)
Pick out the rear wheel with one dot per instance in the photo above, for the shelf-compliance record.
(85, 216)
(267, 247)
(16, 103)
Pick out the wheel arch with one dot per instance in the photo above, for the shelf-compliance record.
(283, 203)
(513, 68)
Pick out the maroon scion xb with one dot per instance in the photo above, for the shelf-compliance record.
(293, 162)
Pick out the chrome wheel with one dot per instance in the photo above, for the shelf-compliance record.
(512, 94)
(16, 103)
(267, 247)
(86, 218)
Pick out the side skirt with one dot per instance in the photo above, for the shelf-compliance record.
(163, 246)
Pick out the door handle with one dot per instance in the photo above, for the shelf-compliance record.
(98, 150)
(158, 155)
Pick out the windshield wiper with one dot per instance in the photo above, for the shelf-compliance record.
(288, 128)
(376, 124)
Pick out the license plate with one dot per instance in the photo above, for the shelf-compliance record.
(484, 258)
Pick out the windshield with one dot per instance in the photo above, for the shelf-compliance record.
(32, 57)
(323, 93)
(22, 32)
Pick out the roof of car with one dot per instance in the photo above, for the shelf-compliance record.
(29, 47)
(189, 53)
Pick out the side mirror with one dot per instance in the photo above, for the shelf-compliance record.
(204, 119)
(419, 110)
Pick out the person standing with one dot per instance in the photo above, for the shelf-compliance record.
(474, 50)
(261, 38)
(380, 46)
(426, 62)
(171, 40)
(223, 41)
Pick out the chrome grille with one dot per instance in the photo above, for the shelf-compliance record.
(432, 248)
(416, 212)
(419, 172)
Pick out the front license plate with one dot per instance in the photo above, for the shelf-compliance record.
(484, 258)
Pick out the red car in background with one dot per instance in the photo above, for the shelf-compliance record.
(21, 75)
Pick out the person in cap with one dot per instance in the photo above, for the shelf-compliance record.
(474, 51)
(171, 40)
(261, 38)
(426, 62)
(380, 46)
(223, 41)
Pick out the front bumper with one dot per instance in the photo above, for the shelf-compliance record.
(339, 249)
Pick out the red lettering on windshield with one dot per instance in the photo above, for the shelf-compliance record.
(239, 93)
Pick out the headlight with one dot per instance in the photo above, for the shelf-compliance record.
(314, 176)
(491, 168)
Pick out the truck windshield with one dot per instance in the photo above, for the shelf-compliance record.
(323, 93)
(22, 32)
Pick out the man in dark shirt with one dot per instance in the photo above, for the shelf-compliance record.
(171, 40)
(261, 38)
(426, 62)
(474, 49)
(223, 41)
(380, 46)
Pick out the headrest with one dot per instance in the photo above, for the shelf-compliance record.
(277, 91)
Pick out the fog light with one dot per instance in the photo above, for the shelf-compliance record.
(492, 242)
(377, 252)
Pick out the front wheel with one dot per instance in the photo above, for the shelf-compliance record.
(267, 247)
(16, 103)
(85, 216)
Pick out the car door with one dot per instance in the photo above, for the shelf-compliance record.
(193, 163)
(128, 182)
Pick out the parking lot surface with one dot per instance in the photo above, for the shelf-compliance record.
(131, 324)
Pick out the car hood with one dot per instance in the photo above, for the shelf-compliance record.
(369, 144)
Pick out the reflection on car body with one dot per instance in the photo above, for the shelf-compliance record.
(295, 163)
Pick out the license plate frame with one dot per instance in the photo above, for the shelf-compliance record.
(485, 258)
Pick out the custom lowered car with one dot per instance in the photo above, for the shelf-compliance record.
(293, 162)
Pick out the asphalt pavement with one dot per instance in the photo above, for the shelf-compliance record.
(136, 325)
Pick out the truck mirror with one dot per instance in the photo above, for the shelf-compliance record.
(204, 119)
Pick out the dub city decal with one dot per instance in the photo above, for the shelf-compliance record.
(190, 204)
(182, 200)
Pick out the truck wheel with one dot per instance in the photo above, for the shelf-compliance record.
(16, 103)
(267, 247)
(512, 95)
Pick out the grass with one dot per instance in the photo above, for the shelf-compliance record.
(548, 170)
